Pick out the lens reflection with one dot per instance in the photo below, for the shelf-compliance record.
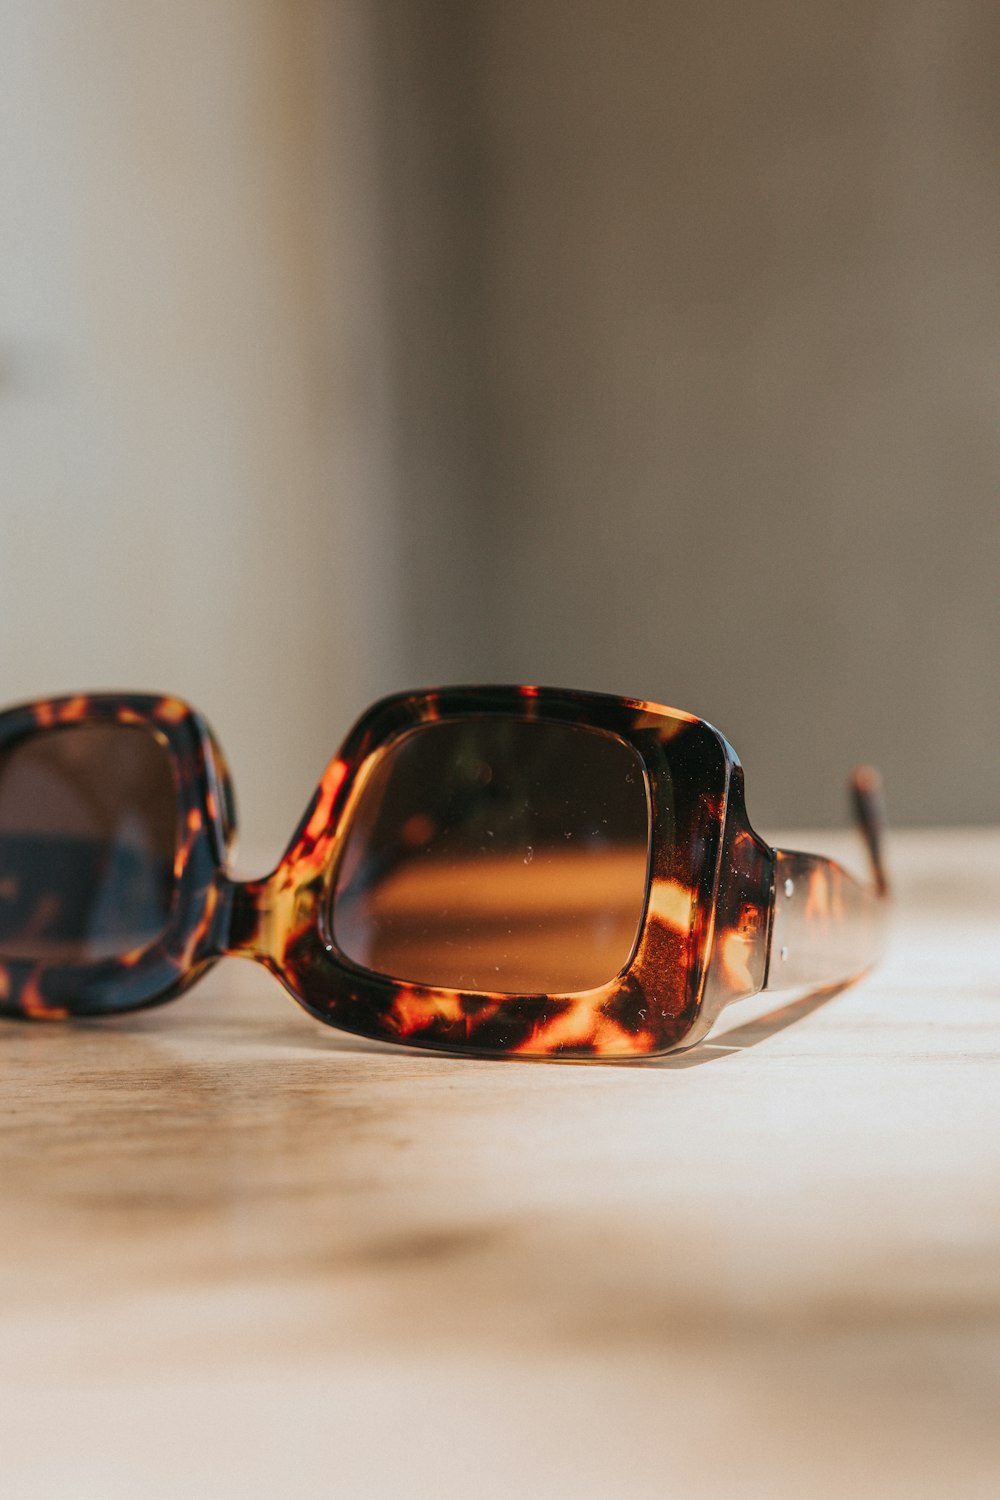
(497, 854)
(88, 833)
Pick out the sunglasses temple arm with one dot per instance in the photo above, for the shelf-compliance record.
(827, 926)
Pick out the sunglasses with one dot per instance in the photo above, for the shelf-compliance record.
(504, 871)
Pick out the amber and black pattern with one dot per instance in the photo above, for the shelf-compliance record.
(155, 971)
(711, 913)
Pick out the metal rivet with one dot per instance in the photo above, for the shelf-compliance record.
(784, 955)
(789, 887)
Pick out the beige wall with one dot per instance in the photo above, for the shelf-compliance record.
(727, 311)
(193, 489)
(352, 343)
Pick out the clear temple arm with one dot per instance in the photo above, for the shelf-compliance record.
(828, 927)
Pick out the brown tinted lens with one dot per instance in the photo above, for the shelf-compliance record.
(497, 854)
(88, 833)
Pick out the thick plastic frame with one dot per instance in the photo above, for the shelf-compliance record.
(725, 915)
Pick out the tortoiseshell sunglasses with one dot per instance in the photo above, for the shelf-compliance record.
(507, 871)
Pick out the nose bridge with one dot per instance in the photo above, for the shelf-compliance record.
(254, 917)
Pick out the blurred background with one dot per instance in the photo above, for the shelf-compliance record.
(349, 345)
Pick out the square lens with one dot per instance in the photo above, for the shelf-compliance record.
(498, 855)
(88, 835)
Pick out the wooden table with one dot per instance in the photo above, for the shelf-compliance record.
(245, 1256)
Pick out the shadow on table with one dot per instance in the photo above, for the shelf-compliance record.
(750, 1034)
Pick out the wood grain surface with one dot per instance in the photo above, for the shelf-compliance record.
(243, 1255)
